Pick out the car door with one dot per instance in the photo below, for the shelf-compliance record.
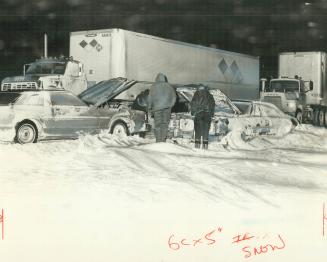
(30, 105)
(70, 115)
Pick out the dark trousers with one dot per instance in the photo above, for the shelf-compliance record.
(161, 123)
(202, 122)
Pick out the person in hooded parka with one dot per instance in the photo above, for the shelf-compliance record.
(202, 108)
(162, 98)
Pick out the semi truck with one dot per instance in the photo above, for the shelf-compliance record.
(301, 88)
(49, 73)
(111, 53)
(99, 55)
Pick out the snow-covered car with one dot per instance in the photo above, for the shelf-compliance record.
(124, 97)
(29, 116)
(118, 96)
(251, 118)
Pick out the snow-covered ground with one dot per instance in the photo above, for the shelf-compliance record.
(109, 198)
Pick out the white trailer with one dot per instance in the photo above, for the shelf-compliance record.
(301, 89)
(111, 53)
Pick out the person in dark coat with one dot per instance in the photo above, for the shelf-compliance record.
(162, 98)
(141, 101)
(202, 108)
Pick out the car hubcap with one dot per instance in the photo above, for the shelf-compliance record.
(119, 129)
(26, 134)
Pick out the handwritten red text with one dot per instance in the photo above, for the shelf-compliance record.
(324, 219)
(2, 221)
(250, 250)
(207, 239)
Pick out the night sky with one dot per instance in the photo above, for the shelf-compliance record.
(257, 27)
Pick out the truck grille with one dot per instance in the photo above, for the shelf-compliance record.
(19, 86)
(276, 100)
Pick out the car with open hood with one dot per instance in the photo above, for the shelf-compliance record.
(128, 99)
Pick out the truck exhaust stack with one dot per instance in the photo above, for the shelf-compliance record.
(45, 45)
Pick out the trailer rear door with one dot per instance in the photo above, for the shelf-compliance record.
(93, 50)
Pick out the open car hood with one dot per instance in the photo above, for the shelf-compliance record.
(104, 91)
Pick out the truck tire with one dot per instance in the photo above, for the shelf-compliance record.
(326, 117)
(26, 133)
(315, 118)
(321, 117)
(299, 116)
(119, 128)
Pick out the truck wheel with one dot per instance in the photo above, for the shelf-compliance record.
(26, 133)
(321, 117)
(119, 128)
(299, 116)
(325, 117)
(142, 134)
(315, 118)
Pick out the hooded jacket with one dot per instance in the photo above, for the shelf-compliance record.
(162, 95)
(203, 101)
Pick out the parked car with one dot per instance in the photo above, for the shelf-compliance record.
(262, 118)
(31, 116)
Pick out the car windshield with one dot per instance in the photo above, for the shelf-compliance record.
(65, 99)
(46, 68)
(244, 107)
(31, 99)
(270, 110)
(284, 86)
(131, 93)
(7, 98)
(223, 106)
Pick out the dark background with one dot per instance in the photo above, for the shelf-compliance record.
(257, 27)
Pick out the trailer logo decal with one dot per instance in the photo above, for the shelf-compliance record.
(83, 44)
(91, 45)
(223, 66)
(234, 68)
(232, 73)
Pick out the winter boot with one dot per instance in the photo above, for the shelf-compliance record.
(197, 143)
(205, 144)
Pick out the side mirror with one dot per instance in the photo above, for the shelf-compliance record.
(26, 66)
(311, 85)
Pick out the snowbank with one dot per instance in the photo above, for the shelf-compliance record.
(110, 198)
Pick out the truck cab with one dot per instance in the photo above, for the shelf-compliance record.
(49, 74)
(289, 95)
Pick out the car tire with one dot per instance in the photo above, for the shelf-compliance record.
(315, 117)
(299, 116)
(26, 133)
(321, 117)
(119, 128)
(142, 134)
